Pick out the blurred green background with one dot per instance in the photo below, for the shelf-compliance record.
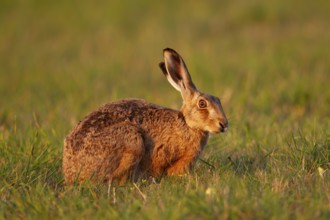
(268, 61)
(61, 59)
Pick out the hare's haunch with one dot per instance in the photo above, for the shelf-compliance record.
(132, 138)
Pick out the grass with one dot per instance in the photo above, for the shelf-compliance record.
(267, 61)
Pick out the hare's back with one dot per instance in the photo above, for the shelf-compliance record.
(110, 114)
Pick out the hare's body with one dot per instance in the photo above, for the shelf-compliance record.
(132, 138)
(141, 131)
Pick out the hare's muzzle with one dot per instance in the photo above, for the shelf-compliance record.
(223, 126)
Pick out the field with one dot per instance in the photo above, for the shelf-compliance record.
(268, 61)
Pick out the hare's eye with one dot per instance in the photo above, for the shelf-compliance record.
(202, 103)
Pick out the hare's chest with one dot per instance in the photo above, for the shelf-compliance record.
(173, 156)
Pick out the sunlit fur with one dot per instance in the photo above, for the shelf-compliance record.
(132, 138)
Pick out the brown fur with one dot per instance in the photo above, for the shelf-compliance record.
(132, 138)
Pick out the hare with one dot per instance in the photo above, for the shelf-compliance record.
(132, 138)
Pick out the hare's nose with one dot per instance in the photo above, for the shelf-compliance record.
(223, 126)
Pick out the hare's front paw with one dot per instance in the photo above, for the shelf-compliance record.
(180, 168)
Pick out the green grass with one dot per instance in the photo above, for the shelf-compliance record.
(269, 62)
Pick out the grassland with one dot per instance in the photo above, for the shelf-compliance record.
(269, 62)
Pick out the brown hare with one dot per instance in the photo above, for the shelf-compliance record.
(132, 138)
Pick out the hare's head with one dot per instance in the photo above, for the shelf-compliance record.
(200, 110)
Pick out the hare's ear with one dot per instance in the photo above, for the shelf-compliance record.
(176, 72)
(168, 76)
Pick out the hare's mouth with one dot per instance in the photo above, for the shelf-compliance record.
(221, 128)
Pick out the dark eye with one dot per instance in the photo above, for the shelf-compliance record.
(202, 103)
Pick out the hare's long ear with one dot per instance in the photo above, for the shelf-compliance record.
(177, 73)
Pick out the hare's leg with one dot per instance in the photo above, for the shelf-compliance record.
(181, 166)
(126, 150)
